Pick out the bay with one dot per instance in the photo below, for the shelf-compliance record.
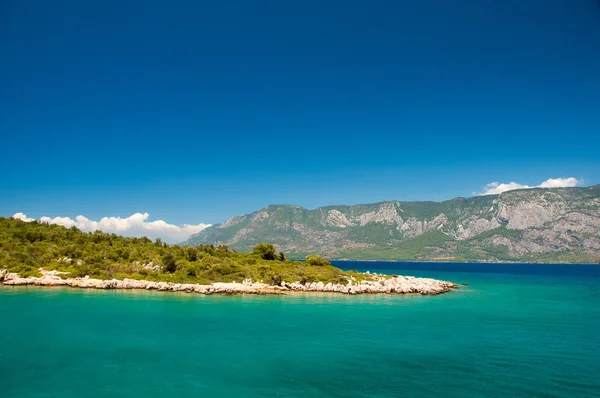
(517, 330)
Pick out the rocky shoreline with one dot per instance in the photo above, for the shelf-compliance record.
(380, 284)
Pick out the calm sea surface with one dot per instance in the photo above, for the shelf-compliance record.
(514, 331)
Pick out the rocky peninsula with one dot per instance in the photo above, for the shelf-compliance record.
(40, 254)
(377, 284)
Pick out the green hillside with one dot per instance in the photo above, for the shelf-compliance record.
(533, 225)
(27, 246)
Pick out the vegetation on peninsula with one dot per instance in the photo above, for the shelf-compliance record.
(27, 246)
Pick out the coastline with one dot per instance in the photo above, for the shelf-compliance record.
(383, 285)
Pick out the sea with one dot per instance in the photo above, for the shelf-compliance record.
(513, 330)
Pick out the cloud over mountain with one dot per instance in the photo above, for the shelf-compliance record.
(495, 188)
(134, 225)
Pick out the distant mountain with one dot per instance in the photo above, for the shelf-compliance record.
(533, 225)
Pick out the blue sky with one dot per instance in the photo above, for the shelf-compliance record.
(196, 111)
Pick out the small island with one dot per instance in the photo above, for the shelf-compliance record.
(35, 253)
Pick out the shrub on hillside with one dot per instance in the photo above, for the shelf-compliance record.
(265, 251)
(169, 262)
(317, 260)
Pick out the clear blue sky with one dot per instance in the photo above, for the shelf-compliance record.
(194, 111)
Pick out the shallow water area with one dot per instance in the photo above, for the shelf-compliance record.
(510, 332)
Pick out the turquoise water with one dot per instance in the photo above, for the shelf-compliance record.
(508, 333)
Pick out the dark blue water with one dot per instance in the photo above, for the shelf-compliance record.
(515, 330)
(576, 270)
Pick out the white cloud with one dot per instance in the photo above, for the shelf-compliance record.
(495, 188)
(22, 217)
(134, 225)
(560, 182)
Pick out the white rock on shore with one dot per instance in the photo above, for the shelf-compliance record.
(388, 285)
(392, 285)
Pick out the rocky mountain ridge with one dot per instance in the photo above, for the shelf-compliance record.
(558, 224)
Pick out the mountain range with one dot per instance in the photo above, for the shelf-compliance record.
(529, 225)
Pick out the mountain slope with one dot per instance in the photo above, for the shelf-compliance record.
(559, 224)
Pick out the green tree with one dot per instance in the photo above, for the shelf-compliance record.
(169, 262)
(210, 249)
(265, 251)
(191, 254)
(281, 256)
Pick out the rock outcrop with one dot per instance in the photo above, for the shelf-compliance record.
(390, 285)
